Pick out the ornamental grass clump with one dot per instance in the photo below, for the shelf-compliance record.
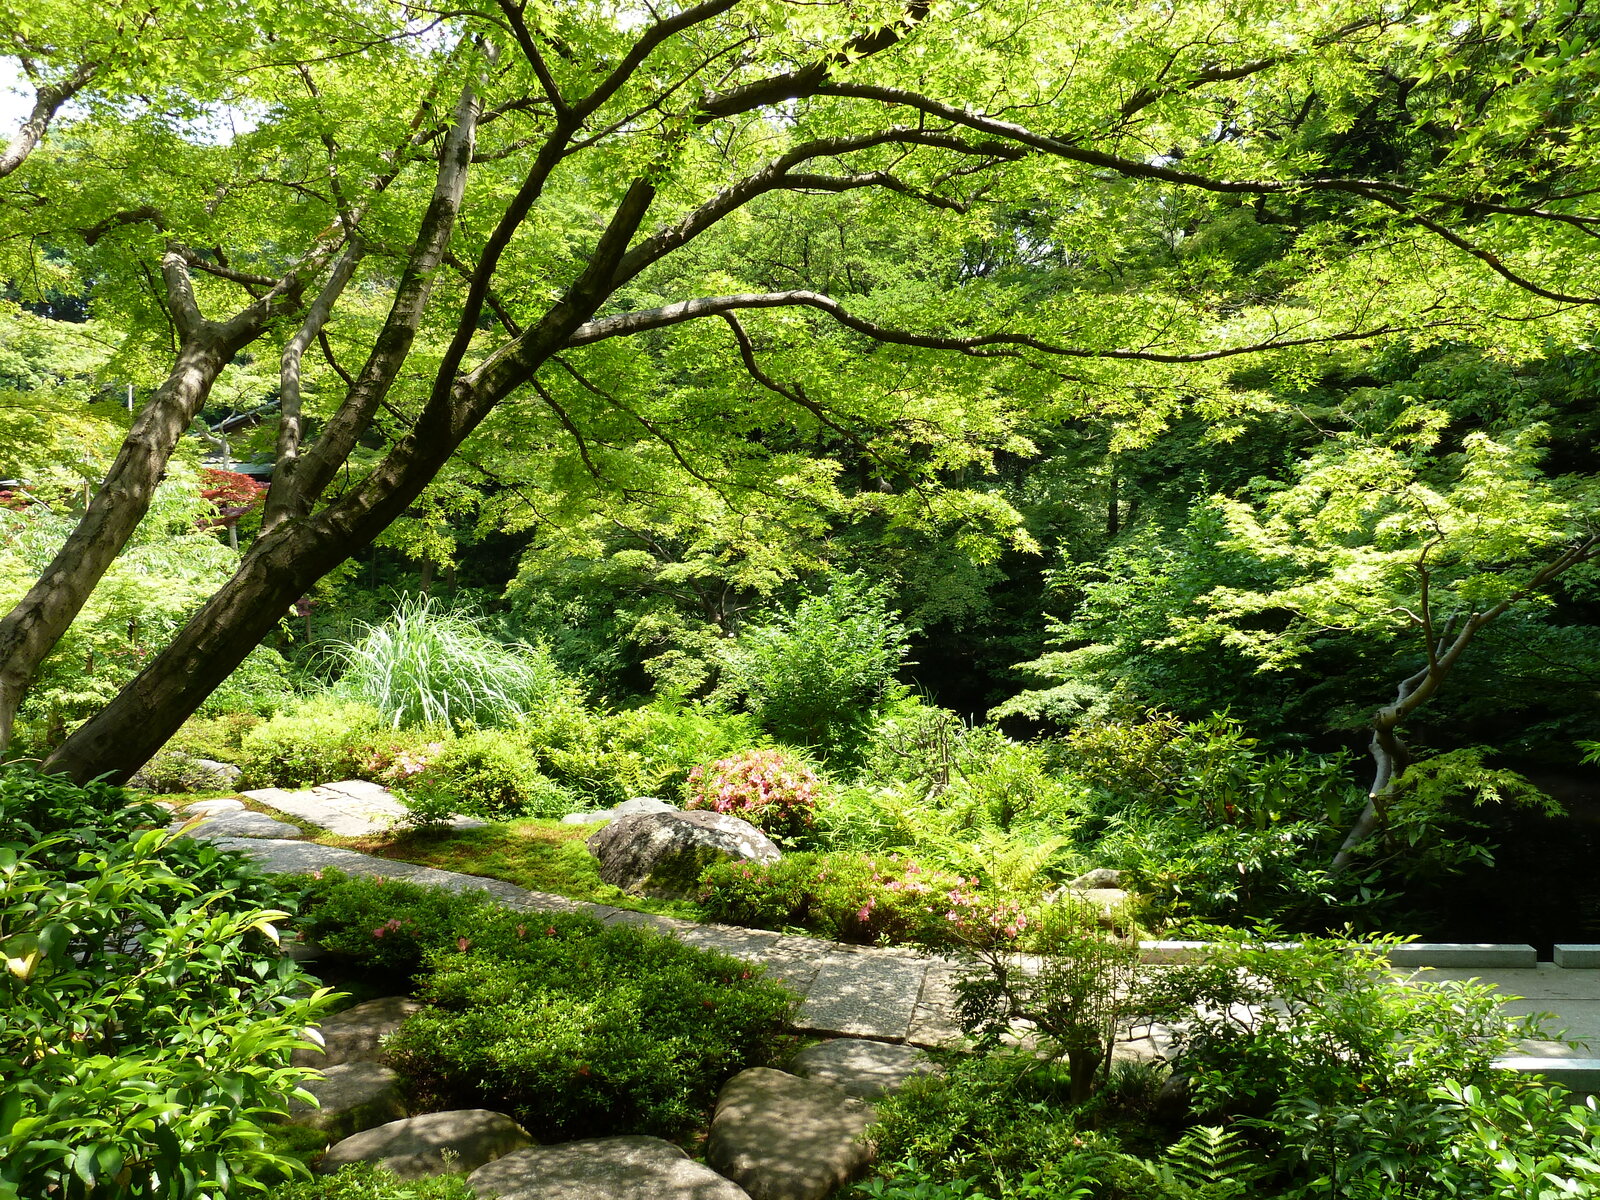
(772, 790)
(432, 666)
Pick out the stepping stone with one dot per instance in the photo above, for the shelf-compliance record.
(356, 1033)
(212, 808)
(863, 995)
(432, 1144)
(859, 1068)
(351, 1097)
(935, 1022)
(619, 1168)
(243, 824)
(353, 808)
(784, 1138)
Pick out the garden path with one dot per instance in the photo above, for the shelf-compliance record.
(885, 994)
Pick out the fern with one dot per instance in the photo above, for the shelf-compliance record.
(1207, 1163)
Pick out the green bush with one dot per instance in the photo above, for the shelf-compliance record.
(859, 898)
(573, 1027)
(645, 751)
(816, 675)
(774, 791)
(367, 1181)
(432, 666)
(310, 744)
(491, 773)
(381, 926)
(146, 1016)
(1002, 1124)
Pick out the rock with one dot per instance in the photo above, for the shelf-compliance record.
(432, 1144)
(174, 771)
(237, 824)
(643, 804)
(212, 808)
(784, 1138)
(357, 1033)
(1105, 901)
(1100, 877)
(858, 1067)
(351, 1097)
(663, 853)
(618, 1168)
(628, 808)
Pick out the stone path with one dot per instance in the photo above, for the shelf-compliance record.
(893, 995)
(848, 991)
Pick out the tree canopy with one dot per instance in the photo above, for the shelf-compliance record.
(731, 274)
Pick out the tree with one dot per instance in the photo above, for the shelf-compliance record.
(1395, 537)
(475, 207)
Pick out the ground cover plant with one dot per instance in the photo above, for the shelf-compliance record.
(572, 1027)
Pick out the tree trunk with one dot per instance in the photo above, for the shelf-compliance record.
(30, 630)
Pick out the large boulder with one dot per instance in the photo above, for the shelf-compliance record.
(458, 1140)
(784, 1138)
(618, 1168)
(663, 853)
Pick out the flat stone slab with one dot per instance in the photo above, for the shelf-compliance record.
(353, 808)
(351, 1097)
(240, 824)
(860, 1068)
(935, 1022)
(619, 1168)
(356, 1033)
(432, 1144)
(781, 1137)
(212, 808)
(860, 995)
(1574, 1074)
(1578, 956)
(1462, 954)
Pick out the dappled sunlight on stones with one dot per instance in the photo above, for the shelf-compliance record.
(619, 1168)
(860, 995)
(357, 1033)
(351, 1097)
(781, 1137)
(860, 1068)
(458, 1140)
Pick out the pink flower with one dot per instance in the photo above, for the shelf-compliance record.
(462, 944)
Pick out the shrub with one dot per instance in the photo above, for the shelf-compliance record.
(772, 790)
(310, 744)
(146, 1017)
(1001, 1124)
(858, 898)
(383, 926)
(367, 1181)
(430, 666)
(815, 676)
(645, 751)
(493, 774)
(573, 1027)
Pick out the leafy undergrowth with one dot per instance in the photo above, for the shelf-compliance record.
(542, 856)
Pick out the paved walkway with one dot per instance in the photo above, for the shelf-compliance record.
(886, 994)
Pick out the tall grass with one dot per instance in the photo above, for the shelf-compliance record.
(429, 665)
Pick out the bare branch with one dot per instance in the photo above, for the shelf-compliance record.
(289, 424)
(626, 324)
(47, 100)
